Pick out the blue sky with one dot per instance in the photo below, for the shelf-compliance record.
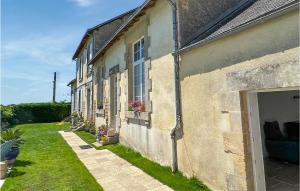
(39, 37)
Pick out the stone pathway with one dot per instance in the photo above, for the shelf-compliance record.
(1, 183)
(112, 172)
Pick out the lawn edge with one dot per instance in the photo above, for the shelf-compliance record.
(205, 187)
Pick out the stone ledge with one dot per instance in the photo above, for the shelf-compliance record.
(100, 112)
(138, 115)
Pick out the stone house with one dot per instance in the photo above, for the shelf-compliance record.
(182, 83)
(221, 77)
(82, 86)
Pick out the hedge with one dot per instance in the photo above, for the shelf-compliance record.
(35, 112)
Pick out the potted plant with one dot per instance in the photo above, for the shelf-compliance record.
(137, 106)
(101, 134)
(12, 134)
(3, 169)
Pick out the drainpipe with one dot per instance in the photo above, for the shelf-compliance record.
(177, 89)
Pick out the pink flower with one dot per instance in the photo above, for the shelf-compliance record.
(137, 105)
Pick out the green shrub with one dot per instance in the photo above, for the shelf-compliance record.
(35, 112)
(7, 114)
(89, 126)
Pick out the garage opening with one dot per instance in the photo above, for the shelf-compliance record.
(274, 125)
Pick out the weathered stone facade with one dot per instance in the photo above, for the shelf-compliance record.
(148, 132)
(214, 78)
(97, 36)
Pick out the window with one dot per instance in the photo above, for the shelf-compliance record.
(90, 51)
(89, 69)
(83, 61)
(78, 68)
(100, 78)
(79, 100)
(138, 71)
(79, 62)
(89, 57)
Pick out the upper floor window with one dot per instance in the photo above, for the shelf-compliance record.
(138, 71)
(90, 51)
(81, 62)
(100, 88)
(89, 69)
(80, 100)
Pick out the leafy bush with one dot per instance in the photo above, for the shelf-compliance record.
(6, 114)
(35, 112)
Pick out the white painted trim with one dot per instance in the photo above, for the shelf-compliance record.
(256, 142)
(255, 135)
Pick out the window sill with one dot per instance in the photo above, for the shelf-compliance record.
(100, 112)
(138, 115)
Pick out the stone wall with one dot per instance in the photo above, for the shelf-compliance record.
(214, 78)
(151, 138)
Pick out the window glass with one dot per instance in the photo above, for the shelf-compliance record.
(81, 66)
(90, 51)
(142, 48)
(100, 79)
(138, 71)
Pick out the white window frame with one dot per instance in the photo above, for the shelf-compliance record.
(135, 63)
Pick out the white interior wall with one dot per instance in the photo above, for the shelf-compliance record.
(280, 106)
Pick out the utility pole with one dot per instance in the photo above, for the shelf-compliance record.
(54, 87)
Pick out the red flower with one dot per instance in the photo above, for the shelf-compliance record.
(137, 105)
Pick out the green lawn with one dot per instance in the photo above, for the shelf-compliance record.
(161, 173)
(46, 162)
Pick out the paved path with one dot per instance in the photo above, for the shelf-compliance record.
(112, 172)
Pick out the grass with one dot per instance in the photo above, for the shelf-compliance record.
(164, 174)
(46, 162)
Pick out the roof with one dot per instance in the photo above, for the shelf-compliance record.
(90, 30)
(140, 11)
(71, 82)
(246, 15)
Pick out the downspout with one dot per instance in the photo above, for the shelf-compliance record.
(177, 88)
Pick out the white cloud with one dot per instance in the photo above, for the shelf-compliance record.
(48, 50)
(84, 3)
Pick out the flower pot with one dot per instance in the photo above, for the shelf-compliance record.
(13, 153)
(103, 139)
(3, 169)
(10, 162)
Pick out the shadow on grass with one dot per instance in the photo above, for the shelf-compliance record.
(19, 163)
(15, 172)
(23, 163)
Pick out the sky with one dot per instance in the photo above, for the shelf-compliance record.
(39, 37)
